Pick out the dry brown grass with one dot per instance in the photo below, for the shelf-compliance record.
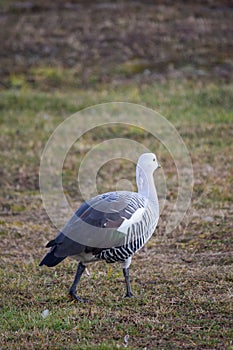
(182, 281)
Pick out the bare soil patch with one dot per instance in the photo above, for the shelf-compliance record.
(100, 41)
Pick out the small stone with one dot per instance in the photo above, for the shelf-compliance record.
(45, 313)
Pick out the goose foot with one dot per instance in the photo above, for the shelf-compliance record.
(129, 295)
(76, 297)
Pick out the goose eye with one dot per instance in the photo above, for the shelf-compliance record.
(153, 159)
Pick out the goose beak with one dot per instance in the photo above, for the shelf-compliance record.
(159, 166)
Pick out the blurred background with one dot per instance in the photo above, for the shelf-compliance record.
(59, 57)
(64, 44)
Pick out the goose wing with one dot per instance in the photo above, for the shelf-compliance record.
(102, 222)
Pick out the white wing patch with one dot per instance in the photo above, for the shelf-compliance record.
(137, 216)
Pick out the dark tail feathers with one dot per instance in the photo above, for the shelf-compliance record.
(51, 243)
(51, 260)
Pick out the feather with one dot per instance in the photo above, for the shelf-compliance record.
(111, 226)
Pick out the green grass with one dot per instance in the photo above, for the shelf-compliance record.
(174, 58)
(28, 117)
(183, 283)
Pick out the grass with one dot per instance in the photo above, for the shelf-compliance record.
(61, 57)
(182, 282)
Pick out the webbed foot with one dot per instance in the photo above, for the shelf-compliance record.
(129, 295)
(76, 297)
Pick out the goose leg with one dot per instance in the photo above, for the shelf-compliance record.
(129, 292)
(73, 289)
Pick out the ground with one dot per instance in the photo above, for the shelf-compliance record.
(60, 57)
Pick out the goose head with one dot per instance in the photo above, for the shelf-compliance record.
(148, 162)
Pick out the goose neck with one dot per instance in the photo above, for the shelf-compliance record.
(146, 186)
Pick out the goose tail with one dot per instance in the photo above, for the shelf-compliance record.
(51, 259)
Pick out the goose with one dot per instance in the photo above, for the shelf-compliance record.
(112, 226)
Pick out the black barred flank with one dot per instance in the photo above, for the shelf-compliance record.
(121, 253)
(137, 234)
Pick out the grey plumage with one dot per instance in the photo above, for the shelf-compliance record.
(111, 227)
